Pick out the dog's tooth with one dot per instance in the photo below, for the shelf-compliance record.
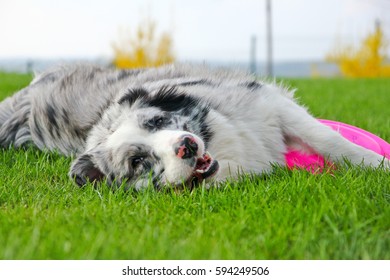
(199, 171)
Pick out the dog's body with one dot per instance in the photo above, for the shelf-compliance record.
(166, 126)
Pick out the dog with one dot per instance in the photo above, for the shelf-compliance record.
(173, 126)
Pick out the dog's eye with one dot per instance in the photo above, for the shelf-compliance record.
(159, 122)
(156, 122)
(136, 161)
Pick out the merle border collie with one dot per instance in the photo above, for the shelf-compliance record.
(172, 126)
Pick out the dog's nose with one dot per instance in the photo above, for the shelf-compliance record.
(186, 147)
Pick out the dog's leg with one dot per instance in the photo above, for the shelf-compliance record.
(297, 123)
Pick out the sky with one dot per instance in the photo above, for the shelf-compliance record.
(202, 29)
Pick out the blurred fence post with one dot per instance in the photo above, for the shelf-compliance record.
(252, 64)
(269, 67)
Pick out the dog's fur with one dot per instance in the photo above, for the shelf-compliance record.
(138, 127)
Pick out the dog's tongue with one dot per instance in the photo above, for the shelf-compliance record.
(205, 167)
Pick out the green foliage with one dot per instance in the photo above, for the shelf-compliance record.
(284, 215)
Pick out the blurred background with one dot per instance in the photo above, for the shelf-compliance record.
(276, 38)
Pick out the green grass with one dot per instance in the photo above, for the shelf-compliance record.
(284, 215)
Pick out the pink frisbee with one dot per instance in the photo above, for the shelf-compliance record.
(315, 163)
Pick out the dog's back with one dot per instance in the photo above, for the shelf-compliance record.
(59, 107)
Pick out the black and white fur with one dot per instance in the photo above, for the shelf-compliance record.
(166, 126)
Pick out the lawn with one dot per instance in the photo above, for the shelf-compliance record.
(284, 215)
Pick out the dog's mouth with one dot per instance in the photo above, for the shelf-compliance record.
(205, 167)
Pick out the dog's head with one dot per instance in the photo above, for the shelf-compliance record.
(149, 138)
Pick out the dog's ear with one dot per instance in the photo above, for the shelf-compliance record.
(83, 170)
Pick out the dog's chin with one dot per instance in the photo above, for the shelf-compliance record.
(206, 167)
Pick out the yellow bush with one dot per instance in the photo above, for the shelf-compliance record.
(368, 60)
(144, 48)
